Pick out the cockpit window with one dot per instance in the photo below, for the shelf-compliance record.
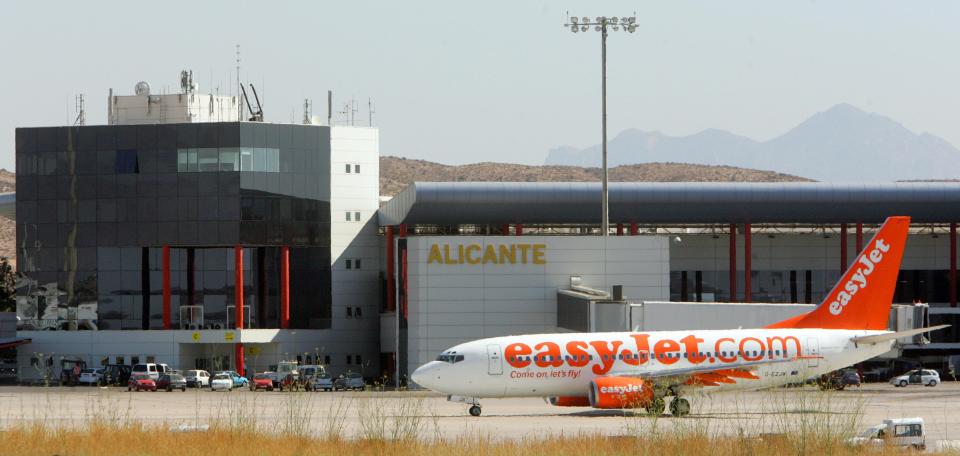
(450, 358)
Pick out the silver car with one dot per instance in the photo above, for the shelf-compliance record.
(925, 377)
(322, 381)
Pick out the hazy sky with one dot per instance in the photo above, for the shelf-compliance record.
(501, 81)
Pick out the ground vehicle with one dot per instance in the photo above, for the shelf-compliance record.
(238, 380)
(221, 381)
(901, 432)
(70, 371)
(116, 374)
(926, 377)
(197, 378)
(152, 369)
(141, 382)
(322, 381)
(349, 381)
(293, 382)
(91, 377)
(261, 381)
(619, 370)
(171, 382)
(283, 368)
(839, 380)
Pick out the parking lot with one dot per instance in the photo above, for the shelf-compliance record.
(349, 413)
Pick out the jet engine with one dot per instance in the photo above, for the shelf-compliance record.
(619, 393)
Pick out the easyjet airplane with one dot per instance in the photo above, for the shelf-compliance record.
(640, 370)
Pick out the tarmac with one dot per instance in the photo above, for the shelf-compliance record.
(428, 415)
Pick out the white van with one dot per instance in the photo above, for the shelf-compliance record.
(152, 369)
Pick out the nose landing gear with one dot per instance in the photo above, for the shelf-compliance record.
(474, 403)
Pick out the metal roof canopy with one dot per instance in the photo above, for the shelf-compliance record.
(453, 203)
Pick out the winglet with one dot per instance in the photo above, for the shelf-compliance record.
(862, 297)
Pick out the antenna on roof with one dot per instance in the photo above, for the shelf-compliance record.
(255, 116)
(259, 107)
(307, 104)
(329, 108)
(349, 110)
(240, 111)
(370, 110)
(81, 119)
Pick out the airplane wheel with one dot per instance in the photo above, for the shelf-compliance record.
(475, 410)
(679, 407)
(656, 407)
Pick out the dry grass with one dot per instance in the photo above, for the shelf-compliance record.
(139, 440)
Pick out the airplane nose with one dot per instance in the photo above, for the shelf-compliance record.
(425, 376)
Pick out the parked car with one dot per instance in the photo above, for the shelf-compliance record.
(221, 381)
(926, 377)
(899, 432)
(171, 382)
(152, 369)
(116, 374)
(349, 381)
(141, 382)
(322, 381)
(261, 381)
(839, 380)
(239, 381)
(91, 377)
(197, 378)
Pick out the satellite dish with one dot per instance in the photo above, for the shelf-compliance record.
(142, 88)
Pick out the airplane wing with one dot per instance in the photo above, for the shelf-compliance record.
(709, 375)
(894, 335)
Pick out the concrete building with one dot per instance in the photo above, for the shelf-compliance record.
(198, 243)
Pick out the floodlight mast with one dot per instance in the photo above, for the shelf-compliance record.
(601, 24)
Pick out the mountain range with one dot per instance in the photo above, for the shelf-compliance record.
(843, 143)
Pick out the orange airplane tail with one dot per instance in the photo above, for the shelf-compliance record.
(862, 297)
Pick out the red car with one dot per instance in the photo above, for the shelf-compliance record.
(261, 381)
(141, 382)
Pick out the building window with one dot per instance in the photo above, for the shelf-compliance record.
(356, 169)
(326, 359)
(348, 216)
(227, 159)
(349, 263)
(151, 359)
(356, 312)
(348, 168)
(349, 360)
(120, 360)
(134, 360)
(356, 216)
(349, 312)
(127, 162)
(359, 361)
(104, 360)
(353, 263)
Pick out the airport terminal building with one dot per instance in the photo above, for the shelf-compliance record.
(184, 236)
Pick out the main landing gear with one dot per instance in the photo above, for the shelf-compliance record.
(679, 407)
(475, 410)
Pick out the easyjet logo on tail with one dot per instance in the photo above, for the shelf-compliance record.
(860, 278)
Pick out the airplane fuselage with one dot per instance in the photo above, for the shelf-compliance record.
(564, 364)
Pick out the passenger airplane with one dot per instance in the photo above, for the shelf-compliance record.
(617, 370)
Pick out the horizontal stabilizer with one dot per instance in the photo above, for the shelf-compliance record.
(894, 335)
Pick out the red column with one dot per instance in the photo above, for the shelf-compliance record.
(166, 287)
(733, 263)
(505, 229)
(285, 287)
(619, 229)
(391, 293)
(519, 229)
(238, 354)
(953, 265)
(238, 284)
(859, 238)
(634, 229)
(843, 247)
(747, 291)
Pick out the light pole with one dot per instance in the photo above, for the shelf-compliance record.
(602, 24)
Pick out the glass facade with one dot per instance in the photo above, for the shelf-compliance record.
(96, 204)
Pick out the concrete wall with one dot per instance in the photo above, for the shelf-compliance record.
(455, 303)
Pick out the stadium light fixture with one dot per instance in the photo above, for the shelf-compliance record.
(602, 24)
